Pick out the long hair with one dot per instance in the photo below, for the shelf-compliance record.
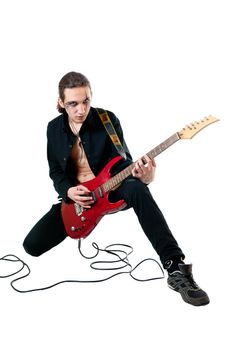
(69, 81)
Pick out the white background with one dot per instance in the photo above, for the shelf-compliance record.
(158, 65)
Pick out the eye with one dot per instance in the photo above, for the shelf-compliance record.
(71, 104)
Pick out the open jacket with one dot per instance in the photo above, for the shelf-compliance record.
(96, 142)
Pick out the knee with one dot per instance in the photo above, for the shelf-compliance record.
(134, 191)
(135, 186)
(30, 248)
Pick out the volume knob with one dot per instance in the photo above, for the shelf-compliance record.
(83, 218)
(75, 228)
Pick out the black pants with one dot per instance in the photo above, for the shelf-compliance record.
(50, 231)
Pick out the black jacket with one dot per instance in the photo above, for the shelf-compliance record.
(96, 142)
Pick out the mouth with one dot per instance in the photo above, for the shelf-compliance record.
(80, 116)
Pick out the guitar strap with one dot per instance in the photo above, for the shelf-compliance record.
(107, 123)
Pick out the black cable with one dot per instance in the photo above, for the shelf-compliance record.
(94, 265)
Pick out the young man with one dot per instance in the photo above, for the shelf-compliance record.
(78, 149)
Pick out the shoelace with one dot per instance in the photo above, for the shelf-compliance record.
(191, 281)
(188, 279)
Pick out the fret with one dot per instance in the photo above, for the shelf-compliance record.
(114, 180)
(163, 146)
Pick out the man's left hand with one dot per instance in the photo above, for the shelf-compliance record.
(144, 172)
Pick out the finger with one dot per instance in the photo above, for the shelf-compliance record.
(149, 166)
(142, 167)
(146, 158)
(135, 172)
(150, 162)
(137, 168)
(84, 205)
(83, 189)
(85, 199)
(85, 202)
(83, 194)
(153, 163)
(140, 163)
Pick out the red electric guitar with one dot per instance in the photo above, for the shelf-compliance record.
(80, 222)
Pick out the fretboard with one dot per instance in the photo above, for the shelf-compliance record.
(122, 175)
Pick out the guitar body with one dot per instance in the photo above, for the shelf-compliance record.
(80, 222)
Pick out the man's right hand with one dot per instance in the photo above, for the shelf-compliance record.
(81, 195)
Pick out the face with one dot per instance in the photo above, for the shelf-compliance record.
(77, 103)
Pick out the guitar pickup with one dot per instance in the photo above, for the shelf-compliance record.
(100, 191)
(93, 196)
(78, 209)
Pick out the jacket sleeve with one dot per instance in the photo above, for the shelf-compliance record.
(60, 180)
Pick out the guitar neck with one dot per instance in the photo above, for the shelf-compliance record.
(122, 175)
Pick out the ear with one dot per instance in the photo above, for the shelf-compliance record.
(60, 102)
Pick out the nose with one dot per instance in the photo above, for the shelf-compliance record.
(81, 108)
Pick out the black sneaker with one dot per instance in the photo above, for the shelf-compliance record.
(182, 281)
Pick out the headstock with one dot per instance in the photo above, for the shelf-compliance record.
(192, 129)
